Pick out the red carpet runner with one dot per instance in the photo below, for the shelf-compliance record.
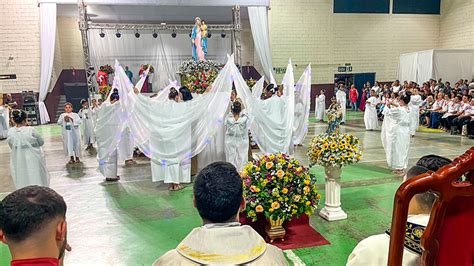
(299, 234)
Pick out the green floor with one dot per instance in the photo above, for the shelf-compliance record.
(135, 221)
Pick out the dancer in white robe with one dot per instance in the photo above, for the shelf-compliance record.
(274, 106)
(87, 124)
(341, 98)
(396, 141)
(27, 163)
(370, 115)
(236, 137)
(415, 103)
(4, 121)
(320, 110)
(71, 133)
(95, 112)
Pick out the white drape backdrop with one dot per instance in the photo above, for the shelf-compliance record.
(47, 40)
(164, 53)
(258, 18)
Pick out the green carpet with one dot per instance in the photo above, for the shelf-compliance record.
(349, 116)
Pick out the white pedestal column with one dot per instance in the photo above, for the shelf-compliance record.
(332, 210)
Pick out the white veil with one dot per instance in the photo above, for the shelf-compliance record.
(302, 106)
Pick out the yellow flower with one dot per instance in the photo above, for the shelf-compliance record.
(244, 174)
(306, 190)
(297, 198)
(259, 208)
(307, 181)
(254, 189)
(269, 165)
(284, 190)
(331, 158)
(275, 205)
(271, 210)
(257, 169)
(290, 165)
(271, 156)
(264, 182)
(318, 196)
(286, 199)
(325, 146)
(280, 173)
(293, 212)
(333, 145)
(308, 203)
(341, 147)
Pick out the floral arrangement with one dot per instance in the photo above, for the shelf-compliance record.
(104, 91)
(334, 149)
(277, 186)
(198, 76)
(107, 69)
(250, 82)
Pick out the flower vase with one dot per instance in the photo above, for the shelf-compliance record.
(275, 229)
(332, 210)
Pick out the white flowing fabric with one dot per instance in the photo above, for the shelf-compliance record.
(47, 39)
(272, 119)
(320, 109)
(341, 98)
(257, 89)
(302, 106)
(171, 133)
(4, 122)
(370, 114)
(415, 102)
(164, 53)
(71, 134)
(27, 163)
(396, 138)
(162, 95)
(258, 17)
(237, 140)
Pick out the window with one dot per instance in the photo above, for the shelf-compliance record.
(416, 7)
(362, 6)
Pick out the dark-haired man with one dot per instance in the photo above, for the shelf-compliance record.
(374, 249)
(221, 240)
(33, 225)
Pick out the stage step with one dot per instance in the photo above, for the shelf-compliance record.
(61, 102)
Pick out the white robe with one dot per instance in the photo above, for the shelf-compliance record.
(415, 102)
(320, 110)
(71, 134)
(370, 114)
(274, 142)
(396, 141)
(27, 163)
(374, 249)
(341, 98)
(87, 126)
(236, 140)
(4, 122)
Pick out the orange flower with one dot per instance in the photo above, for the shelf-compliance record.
(259, 208)
(269, 165)
(275, 205)
(254, 189)
(284, 190)
(280, 173)
(244, 174)
(306, 190)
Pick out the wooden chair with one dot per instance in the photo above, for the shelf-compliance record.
(449, 237)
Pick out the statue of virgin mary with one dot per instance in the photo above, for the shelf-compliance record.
(196, 39)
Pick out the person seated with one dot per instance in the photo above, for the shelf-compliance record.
(465, 115)
(218, 197)
(374, 249)
(454, 107)
(437, 112)
(33, 226)
(425, 112)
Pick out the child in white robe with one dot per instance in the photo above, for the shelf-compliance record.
(341, 98)
(320, 110)
(236, 137)
(396, 141)
(415, 103)
(87, 124)
(71, 133)
(4, 121)
(370, 115)
(27, 163)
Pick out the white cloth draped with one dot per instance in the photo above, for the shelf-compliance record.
(257, 89)
(47, 41)
(272, 119)
(258, 17)
(4, 122)
(396, 136)
(370, 114)
(27, 163)
(164, 53)
(302, 106)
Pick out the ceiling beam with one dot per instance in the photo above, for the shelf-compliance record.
(165, 2)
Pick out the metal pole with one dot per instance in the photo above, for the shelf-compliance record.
(83, 27)
(237, 35)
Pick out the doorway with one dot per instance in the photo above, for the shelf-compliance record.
(358, 79)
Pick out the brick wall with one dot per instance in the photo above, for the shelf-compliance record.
(311, 33)
(70, 43)
(457, 25)
(19, 37)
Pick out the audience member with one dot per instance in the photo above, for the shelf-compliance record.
(221, 240)
(33, 225)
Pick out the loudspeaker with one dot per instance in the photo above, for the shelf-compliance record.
(74, 93)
